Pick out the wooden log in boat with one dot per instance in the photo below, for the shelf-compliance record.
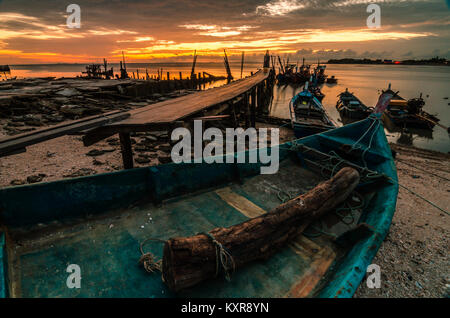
(189, 260)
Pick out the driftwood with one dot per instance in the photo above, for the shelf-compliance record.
(190, 260)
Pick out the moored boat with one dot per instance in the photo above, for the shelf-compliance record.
(408, 113)
(314, 88)
(308, 116)
(331, 80)
(96, 223)
(350, 106)
(320, 73)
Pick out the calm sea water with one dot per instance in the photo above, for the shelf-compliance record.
(365, 81)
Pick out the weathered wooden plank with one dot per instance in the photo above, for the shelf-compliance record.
(12, 144)
(182, 107)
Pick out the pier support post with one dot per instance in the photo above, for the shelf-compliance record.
(247, 110)
(127, 152)
(253, 108)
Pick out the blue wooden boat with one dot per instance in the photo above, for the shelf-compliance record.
(308, 116)
(98, 222)
(349, 106)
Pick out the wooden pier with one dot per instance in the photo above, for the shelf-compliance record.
(239, 101)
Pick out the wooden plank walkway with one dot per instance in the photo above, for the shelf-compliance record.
(159, 115)
(181, 107)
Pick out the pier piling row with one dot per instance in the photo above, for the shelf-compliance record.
(237, 103)
(240, 101)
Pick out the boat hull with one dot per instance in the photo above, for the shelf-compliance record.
(352, 113)
(97, 222)
(408, 121)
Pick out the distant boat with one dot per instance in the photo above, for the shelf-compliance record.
(315, 90)
(320, 73)
(408, 113)
(332, 80)
(308, 116)
(291, 76)
(350, 106)
(314, 87)
(5, 69)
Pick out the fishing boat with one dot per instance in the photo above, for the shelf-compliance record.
(320, 73)
(331, 80)
(97, 224)
(314, 88)
(291, 76)
(408, 113)
(308, 116)
(350, 106)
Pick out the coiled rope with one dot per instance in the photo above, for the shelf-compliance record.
(148, 260)
(224, 260)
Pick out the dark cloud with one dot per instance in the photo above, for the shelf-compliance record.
(316, 26)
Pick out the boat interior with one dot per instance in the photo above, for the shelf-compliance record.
(98, 223)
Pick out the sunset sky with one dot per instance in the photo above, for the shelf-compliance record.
(33, 31)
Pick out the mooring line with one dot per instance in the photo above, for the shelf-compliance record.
(421, 197)
(408, 164)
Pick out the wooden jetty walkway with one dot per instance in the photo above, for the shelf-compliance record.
(238, 100)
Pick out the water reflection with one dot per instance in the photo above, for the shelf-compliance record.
(367, 81)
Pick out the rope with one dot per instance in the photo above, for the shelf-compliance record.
(421, 197)
(436, 175)
(354, 146)
(223, 257)
(319, 231)
(148, 260)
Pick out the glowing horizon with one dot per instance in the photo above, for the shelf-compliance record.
(281, 26)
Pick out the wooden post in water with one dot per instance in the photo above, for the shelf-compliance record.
(247, 110)
(227, 66)
(181, 76)
(194, 81)
(253, 108)
(193, 64)
(242, 63)
(168, 76)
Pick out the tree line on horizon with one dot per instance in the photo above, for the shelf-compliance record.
(432, 61)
